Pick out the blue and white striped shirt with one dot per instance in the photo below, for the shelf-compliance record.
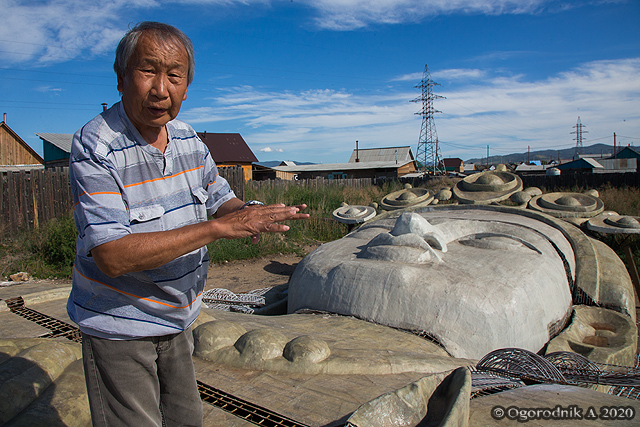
(123, 185)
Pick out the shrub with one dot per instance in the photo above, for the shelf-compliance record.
(59, 246)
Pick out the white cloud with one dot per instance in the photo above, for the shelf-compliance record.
(271, 150)
(458, 74)
(48, 89)
(352, 14)
(414, 77)
(60, 30)
(508, 114)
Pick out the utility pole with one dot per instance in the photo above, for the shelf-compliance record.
(578, 127)
(428, 152)
(487, 155)
(615, 152)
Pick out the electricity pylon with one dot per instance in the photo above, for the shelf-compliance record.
(578, 127)
(428, 152)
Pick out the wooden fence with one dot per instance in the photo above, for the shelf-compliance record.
(29, 199)
(311, 183)
(568, 181)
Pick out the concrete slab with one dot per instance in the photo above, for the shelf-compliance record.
(14, 326)
(315, 400)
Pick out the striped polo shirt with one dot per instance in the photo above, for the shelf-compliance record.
(123, 185)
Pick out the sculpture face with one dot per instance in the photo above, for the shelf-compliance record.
(475, 280)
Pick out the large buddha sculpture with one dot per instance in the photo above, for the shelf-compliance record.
(474, 279)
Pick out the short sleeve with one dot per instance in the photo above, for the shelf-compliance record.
(100, 212)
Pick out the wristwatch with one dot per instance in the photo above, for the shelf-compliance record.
(252, 203)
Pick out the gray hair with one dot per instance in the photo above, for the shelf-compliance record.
(163, 33)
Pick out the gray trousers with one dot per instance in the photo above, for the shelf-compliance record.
(142, 382)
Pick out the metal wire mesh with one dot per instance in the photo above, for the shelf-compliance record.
(520, 363)
(558, 367)
(225, 296)
(244, 409)
(630, 392)
(486, 383)
(57, 327)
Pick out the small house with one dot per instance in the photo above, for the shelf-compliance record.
(15, 153)
(56, 148)
(452, 164)
(229, 149)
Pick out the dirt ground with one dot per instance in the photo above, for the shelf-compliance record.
(244, 276)
(236, 276)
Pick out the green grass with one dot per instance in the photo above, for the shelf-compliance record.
(43, 253)
(50, 250)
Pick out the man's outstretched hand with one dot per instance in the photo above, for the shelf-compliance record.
(253, 220)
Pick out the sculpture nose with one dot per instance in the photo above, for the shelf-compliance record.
(412, 223)
(410, 232)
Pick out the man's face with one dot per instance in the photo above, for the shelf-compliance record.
(154, 84)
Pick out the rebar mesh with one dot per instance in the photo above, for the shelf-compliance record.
(57, 327)
(559, 367)
(224, 299)
(486, 383)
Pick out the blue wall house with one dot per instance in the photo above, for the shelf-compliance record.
(56, 148)
(627, 153)
(585, 164)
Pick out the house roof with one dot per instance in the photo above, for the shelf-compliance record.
(523, 167)
(21, 142)
(401, 154)
(227, 147)
(584, 163)
(627, 153)
(61, 140)
(328, 167)
(452, 162)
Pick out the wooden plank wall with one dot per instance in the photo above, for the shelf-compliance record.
(12, 152)
(235, 177)
(28, 199)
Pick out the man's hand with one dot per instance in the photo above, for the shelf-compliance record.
(253, 220)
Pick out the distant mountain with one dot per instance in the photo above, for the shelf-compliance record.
(597, 150)
(274, 163)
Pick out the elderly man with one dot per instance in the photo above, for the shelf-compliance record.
(143, 186)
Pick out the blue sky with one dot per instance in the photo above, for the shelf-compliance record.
(303, 79)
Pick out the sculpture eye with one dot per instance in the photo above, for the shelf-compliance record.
(497, 242)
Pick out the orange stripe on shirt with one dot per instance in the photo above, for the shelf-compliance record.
(133, 295)
(214, 181)
(100, 192)
(162, 178)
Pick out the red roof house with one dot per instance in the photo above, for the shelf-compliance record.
(229, 149)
